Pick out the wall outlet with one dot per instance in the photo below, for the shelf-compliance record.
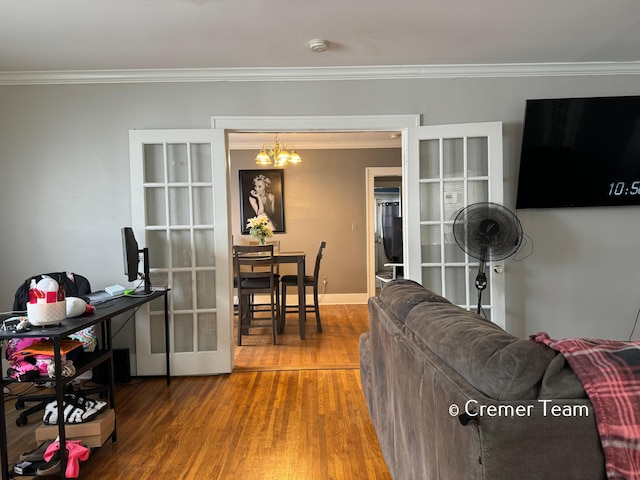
(324, 279)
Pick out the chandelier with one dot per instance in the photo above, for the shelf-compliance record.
(277, 155)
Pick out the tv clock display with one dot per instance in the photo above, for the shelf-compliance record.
(580, 152)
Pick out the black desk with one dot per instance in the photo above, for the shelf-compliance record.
(102, 316)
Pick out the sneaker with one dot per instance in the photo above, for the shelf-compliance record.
(77, 409)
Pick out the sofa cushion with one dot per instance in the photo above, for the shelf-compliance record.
(400, 296)
(560, 381)
(498, 364)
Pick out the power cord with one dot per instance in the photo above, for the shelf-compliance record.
(126, 321)
(634, 325)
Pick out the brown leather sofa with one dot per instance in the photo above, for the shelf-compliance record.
(453, 396)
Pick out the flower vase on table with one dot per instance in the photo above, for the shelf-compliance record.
(260, 228)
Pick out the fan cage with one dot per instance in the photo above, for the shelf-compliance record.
(487, 231)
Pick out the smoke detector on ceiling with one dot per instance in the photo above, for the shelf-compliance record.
(318, 45)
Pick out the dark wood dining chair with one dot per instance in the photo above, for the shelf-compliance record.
(276, 251)
(255, 271)
(309, 281)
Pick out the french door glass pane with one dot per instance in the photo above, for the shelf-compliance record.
(455, 277)
(207, 333)
(206, 286)
(201, 163)
(157, 306)
(158, 248)
(183, 332)
(181, 248)
(429, 202)
(203, 206)
(153, 163)
(453, 253)
(430, 236)
(478, 156)
(429, 155)
(453, 198)
(477, 191)
(160, 279)
(182, 291)
(453, 157)
(179, 206)
(205, 252)
(155, 206)
(432, 278)
(177, 163)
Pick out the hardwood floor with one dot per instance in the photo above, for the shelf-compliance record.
(290, 411)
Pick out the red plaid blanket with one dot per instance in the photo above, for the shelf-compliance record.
(610, 373)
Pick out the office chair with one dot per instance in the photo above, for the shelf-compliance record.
(255, 271)
(309, 281)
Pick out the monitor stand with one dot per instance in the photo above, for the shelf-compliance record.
(145, 274)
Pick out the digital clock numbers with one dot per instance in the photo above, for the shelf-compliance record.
(619, 189)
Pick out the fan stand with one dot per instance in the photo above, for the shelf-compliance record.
(481, 284)
(487, 231)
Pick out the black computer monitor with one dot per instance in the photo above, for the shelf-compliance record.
(131, 258)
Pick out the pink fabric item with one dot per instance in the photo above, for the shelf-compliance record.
(77, 453)
(610, 373)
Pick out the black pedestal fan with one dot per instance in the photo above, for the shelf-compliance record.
(488, 232)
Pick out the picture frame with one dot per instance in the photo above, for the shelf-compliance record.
(262, 191)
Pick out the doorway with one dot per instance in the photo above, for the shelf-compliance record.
(388, 183)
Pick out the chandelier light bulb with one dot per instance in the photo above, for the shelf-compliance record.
(277, 155)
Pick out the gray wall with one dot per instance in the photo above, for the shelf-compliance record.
(64, 184)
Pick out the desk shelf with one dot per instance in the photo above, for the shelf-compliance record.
(85, 361)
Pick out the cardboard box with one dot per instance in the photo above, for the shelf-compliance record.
(93, 434)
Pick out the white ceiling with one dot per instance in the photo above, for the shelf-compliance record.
(66, 41)
(88, 35)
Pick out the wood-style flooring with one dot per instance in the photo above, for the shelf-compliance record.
(290, 411)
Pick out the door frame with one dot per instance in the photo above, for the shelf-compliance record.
(373, 173)
(328, 123)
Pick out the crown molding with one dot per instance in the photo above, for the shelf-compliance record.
(383, 72)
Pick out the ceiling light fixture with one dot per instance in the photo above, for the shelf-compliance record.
(277, 155)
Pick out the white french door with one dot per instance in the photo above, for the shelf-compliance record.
(447, 168)
(179, 211)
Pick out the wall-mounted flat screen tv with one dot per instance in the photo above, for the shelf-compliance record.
(580, 152)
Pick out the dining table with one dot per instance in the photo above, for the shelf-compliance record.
(297, 257)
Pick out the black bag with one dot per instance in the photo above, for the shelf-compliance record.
(74, 285)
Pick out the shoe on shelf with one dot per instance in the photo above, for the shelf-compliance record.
(37, 454)
(51, 468)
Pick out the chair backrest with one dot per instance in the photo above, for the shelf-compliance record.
(254, 262)
(276, 250)
(316, 270)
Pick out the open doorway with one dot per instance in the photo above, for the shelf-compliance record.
(332, 170)
(384, 212)
(387, 193)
